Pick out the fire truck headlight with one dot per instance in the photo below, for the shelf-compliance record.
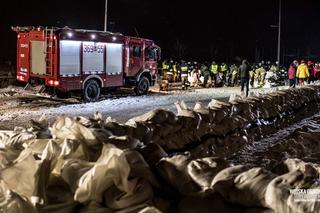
(69, 34)
(93, 36)
(56, 83)
(114, 38)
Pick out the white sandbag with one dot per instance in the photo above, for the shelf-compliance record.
(20, 176)
(72, 170)
(174, 171)
(156, 116)
(11, 202)
(309, 169)
(15, 138)
(150, 210)
(69, 128)
(111, 170)
(123, 142)
(203, 170)
(225, 178)
(279, 198)
(206, 115)
(187, 117)
(249, 188)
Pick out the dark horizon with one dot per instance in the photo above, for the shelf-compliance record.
(203, 30)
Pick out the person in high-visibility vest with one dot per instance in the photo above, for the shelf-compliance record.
(223, 72)
(170, 72)
(165, 69)
(259, 75)
(176, 72)
(214, 68)
(184, 74)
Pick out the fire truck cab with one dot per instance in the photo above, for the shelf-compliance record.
(74, 59)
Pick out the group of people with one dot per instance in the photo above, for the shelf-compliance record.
(262, 74)
(305, 72)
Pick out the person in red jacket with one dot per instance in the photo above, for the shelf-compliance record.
(317, 71)
(292, 73)
(311, 72)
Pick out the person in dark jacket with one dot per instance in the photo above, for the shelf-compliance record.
(244, 70)
(205, 72)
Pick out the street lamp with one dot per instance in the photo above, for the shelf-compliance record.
(105, 15)
(279, 34)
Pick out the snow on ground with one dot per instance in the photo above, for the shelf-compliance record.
(121, 109)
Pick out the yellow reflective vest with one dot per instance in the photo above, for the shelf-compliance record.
(214, 68)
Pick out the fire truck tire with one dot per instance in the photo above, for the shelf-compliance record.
(91, 91)
(142, 87)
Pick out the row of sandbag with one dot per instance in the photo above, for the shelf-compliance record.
(302, 143)
(239, 188)
(57, 175)
(72, 171)
(260, 115)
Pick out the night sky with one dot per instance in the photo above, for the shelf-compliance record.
(202, 30)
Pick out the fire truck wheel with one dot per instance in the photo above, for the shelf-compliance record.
(91, 91)
(142, 87)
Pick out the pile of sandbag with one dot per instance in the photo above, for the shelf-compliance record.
(161, 161)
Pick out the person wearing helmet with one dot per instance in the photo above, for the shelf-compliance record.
(302, 72)
(214, 68)
(184, 74)
(223, 69)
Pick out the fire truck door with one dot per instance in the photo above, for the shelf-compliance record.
(136, 54)
(38, 58)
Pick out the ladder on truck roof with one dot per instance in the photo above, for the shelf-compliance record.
(49, 50)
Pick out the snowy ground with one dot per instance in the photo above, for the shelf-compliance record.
(120, 109)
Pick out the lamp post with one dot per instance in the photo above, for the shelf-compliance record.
(279, 35)
(106, 16)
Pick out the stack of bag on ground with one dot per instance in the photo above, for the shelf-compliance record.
(157, 162)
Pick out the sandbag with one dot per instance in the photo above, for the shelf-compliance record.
(15, 138)
(308, 169)
(20, 176)
(174, 171)
(205, 113)
(225, 178)
(278, 195)
(121, 184)
(69, 128)
(203, 170)
(152, 153)
(205, 203)
(187, 117)
(150, 210)
(59, 196)
(156, 116)
(118, 129)
(11, 202)
(123, 142)
(248, 188)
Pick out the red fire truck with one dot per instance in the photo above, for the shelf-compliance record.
(75, 59)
